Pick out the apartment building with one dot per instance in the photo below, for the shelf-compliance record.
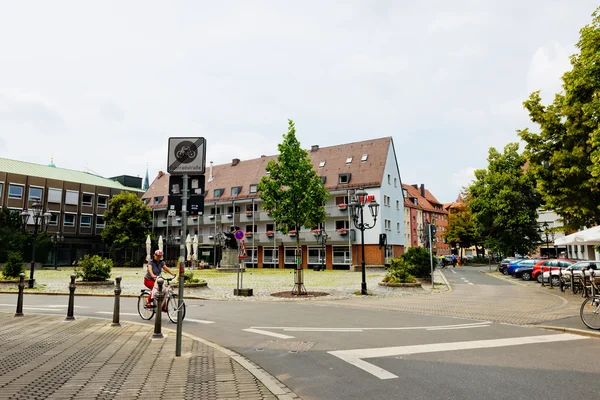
(76, 200)
(232, 199)
(421, 208)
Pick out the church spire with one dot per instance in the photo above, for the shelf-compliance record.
(146, 180)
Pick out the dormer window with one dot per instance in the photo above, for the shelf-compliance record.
(253, 188)
(321, 164)
(415, 200)
(405, 192)
(158, 199)
(344, 178)
(364, 157)
(218, 193)
(236, 190)
(348, 160)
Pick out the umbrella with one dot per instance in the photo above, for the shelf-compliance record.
(195, 247)
(160, 243)
(188, 245)
(148, 248)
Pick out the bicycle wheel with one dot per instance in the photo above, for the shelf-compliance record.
(172, 309)
(590, 312)
(145, 312)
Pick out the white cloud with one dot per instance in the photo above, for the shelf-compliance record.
(546, 68)
(463, 177)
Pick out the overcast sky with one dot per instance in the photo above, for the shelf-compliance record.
(101, 85)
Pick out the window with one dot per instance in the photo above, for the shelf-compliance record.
(415, 200)
(343, 224)
(270, 255)
(158, 199)
(323, 179)
(251, 228)
(341, 255)
(395, 182)
(252, 207)
(236, 190)
(344, 178)
(54, 195)
(364, 157)
(405, 192)
(397, 204)
(270, 227)
(215, 211)
(218, 193)
(69, 220)
(348, 160)
(398, 227)
(72, 198)
(386, 200)
(35, 193)
(87, 199)
(230, 209)
(53, 219)
(99, 221)
(15, 192)
(290, 255)
(389, 179)
(321, 164)
(102, 201)
(388, 225)
(254, 188)
(341, 200)
(85, 221)
(1, 186)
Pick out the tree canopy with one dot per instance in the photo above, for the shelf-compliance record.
(564, 156)
(13, 237)
(127, 221)
(504, 203)
(461, 229)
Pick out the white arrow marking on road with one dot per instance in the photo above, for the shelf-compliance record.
(261, 332)
(355, 357)
(199, 321)
(358, 329)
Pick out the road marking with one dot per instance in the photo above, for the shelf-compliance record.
(470, 283)
(261, 332)
(359, 329)
(355, 357)
(110, 312)
(199, 321)
(453, 271)
(48, 306)
(457, 327)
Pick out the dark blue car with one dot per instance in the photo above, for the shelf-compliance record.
(528, 262)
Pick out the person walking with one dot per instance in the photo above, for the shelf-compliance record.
(453, 261)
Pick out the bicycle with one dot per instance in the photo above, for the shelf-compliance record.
(591, 305)
(146, 313)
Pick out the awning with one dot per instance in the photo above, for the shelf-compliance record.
(589, 236)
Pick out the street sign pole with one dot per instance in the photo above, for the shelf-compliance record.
(184, 219)
(431, 255)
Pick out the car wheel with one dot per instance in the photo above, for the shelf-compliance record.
(526, 276)
(505, 271)
(539, 277)
(555, 281)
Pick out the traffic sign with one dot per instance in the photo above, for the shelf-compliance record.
(239, 235)
(196, 184)
(186, 155)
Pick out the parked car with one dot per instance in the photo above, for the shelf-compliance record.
(544, 265)
(504, 264)
(513, 266)
(578, 268)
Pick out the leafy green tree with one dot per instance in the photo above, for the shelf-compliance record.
(293, 193)
(13, 237)
(504, 203)
(418, 261)
(94, 268)
(462, 229)
(127, 221)
(565, 155)
(14, 265)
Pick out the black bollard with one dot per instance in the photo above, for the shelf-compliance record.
(572, 282)
(117, 309)
(550, 277)
(159, 299)
(71, 306)
(19, 312)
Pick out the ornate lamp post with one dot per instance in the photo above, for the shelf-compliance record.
(40, 219)
(357, 205)
(321, 238)
(57, 238)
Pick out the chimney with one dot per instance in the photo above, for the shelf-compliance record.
(160, 174)
(415, 186)
(314, 148)
(422, 190)
(211, 177)
(235, 162)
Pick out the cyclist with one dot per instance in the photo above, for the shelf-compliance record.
(155, 267)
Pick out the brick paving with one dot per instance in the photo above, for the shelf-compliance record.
(45, 357)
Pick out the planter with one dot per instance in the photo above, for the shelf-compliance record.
(211, 217)
(270, 235)
(292, 233)
(229, 215)
(248, 234)
(342, 207)
(191, 285)
(405, 285)
(316, 232)
(248, 213)
(343, 232)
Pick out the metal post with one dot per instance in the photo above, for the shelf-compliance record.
(117, 308)
(548, 254)
(323, 251)
(363, 285)
(184, 215)
(71, 306)
(572, 282)
(431, 256)
(35, 232)
(159, 299)
(19, 312)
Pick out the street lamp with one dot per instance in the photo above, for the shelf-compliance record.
(357, 205)
(39, 219)
(321, 238)
(57, 238)
(547, 232)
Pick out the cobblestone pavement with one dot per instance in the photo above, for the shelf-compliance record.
(513, 304)
(44, 357)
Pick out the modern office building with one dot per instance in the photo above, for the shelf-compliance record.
(76, 200)
(232, 199)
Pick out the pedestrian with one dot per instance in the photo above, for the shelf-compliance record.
(453, 261)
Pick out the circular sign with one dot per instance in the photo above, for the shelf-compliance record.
(186, 152)
(239, 235)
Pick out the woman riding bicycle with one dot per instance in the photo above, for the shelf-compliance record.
(155, 267)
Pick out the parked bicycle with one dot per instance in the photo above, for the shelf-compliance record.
(171, 300)
(590, 308)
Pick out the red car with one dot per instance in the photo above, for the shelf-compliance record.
(553, 264)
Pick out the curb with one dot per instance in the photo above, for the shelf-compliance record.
(446, 281)
(89, 295)
(594, 334)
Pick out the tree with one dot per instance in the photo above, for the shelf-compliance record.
(564, 156)
(127, 221)
(462, 229)
(504, 203)
(293, 193)
(13, 237)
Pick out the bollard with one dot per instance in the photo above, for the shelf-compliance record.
(19, 312)
(550, 276)
(560, 280)
(70, 316)
(117, 309)
(592, 282)
(572, 282)
(159, 299)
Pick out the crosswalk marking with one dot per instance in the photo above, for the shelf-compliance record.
(267, 333)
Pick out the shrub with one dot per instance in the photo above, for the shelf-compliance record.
(188, 277)
(419, 261)
(399, 272)
(14, 265)
(94, 268)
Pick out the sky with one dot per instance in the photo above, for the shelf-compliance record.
(100, 86)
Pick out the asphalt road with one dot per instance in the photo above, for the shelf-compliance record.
(333, 352)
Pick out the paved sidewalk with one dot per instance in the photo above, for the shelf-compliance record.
(45, 357)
